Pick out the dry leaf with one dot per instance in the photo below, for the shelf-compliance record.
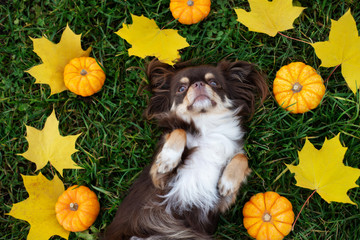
(48, 145)
(39, 209)
(323, 170)
(148, 40)
(269, 17)
(342, 48)
(55, 57)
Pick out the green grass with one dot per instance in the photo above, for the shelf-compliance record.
(116, 142)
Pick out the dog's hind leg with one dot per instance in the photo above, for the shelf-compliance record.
(168, 157)
(233, 176)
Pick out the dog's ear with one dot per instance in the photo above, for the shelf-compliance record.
(159, 75)
(244, 84)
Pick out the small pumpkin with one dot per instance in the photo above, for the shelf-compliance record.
(190, 11)
(84, 76)
(77, 208)
(268, 216)
(298, 88)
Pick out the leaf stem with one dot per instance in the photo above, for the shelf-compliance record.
(297, 217)
(331, 73)
(294, 38)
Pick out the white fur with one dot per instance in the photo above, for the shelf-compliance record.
(196, 182)
(167, 159)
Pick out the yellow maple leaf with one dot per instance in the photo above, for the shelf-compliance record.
(343, 47)
(48, 145)
(269, 17)
(148, 40)
(55, 57)
(322, 170)
(39, 209)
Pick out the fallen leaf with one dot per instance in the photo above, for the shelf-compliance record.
(148, 40)
(343, 47)
(323, 170)
(269, 17)
(39, 209)
(55, 57)
(47, 145)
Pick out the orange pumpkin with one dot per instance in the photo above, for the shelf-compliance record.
(84, 76)
(190, 11)
(268, 216)
(298, 88)
(77, 208)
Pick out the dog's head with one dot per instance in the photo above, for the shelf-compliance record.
(190, 91)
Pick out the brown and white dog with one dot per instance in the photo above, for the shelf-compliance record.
(200, 163)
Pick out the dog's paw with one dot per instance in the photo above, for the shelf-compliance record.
(227, 186)
(167, 160)
(234, 175)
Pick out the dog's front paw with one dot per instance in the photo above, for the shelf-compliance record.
(227, 186)
(169, 157)
(167, 160)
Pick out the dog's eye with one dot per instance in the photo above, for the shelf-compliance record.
(182, 88)
(213, 83)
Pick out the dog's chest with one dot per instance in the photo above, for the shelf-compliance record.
(195, 184)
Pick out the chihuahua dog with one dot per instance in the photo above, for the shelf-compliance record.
(200, 163)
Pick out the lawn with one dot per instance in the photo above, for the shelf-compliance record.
(116, 142)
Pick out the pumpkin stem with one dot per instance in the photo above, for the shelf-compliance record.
(296, 87)
(190, 3)
(266, 217)
(83, 72)
(74, 206)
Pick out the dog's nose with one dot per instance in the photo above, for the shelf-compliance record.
(198, 84)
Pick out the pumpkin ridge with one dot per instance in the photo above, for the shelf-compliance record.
(259, 219)
(82, 62)
(278, 230)
(279, 213)
(202, 14)
(315, 93)
(182, 12)
(290, 223)
(73, 72)
(74, 65)
(305, 100)
(312, 83)
(179, 6)
(270, 207)
(70, 196)
(287, 80)
(96, 71)
(90, 213)
(76, 223)
(287, 104)
(289, 71)
(90, 83)
(299, 74)
(80, 221)
(78, 84)
(261, 226)
(203, 5)
(313, 74)
(91, 64)
(284, 91)
(192, 14)
(255, 206)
